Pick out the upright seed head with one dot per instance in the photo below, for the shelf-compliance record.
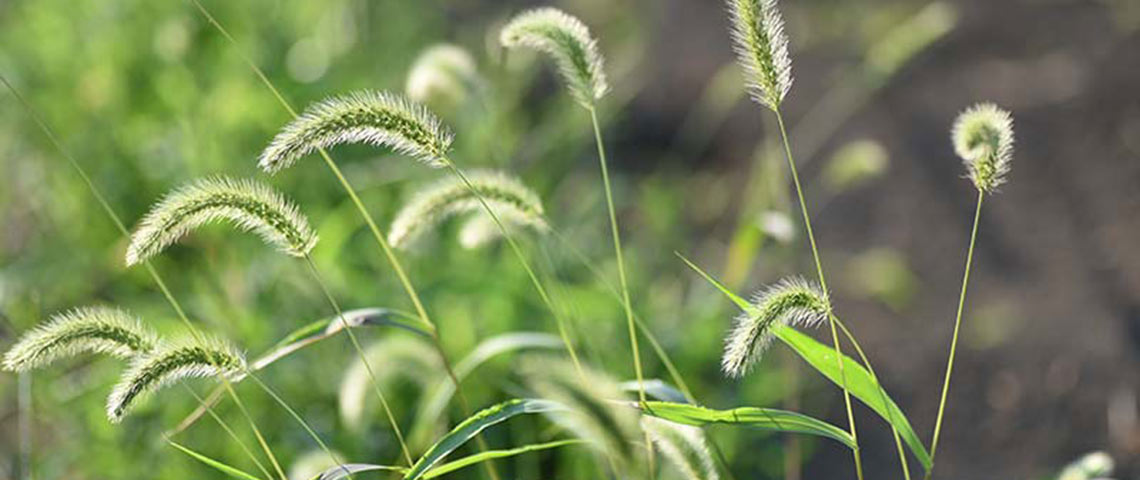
(512, 202)
(247, 204)
(98, 329)
(983, 138)
(568, 41)
(169, 363)
(793, 302)
(374, 118)
(761, 49)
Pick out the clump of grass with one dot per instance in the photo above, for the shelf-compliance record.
(983, 138)
(171, 362)
(684, 446)
(568, 41)
(248, 205)
(794, 302)
(99, 329)
(376, 118)
(762, 49)
(512, 201)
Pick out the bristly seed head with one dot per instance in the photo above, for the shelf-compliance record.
(762, 49)
(443, 76)
(249, 205)
(98, 329)
(171, 362)
(983, 138)
(375, 118)
(512, 202)
(792, 302)
(684, 446)
(566, 39)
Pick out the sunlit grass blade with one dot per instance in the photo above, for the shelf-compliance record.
(656, 388)
(339, 472)
(859, 381)
(493, 454)
(432, 409)
(761, 418)
(230, 471)
(99, 329)
(248, 205)
(471, 427)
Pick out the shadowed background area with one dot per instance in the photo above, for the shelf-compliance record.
(148, 95)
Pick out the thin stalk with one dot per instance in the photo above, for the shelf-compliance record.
(957, 324)
(542, 293)
(293, 413)
(229, 431)
(384, 246)
(822, 284)
(621, 275)
(882, 395)
(98, 194)
(363, 358)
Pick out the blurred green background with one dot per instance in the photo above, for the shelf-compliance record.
(147, 95)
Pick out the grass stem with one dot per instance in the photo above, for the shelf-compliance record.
(954, 340)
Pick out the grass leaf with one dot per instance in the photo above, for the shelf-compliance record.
(762, 418)
(493, 454)
(215, 464)
(341, 471)
(471, 427)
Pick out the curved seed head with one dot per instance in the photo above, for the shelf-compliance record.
(443, 76)
(168, 363)
(98, 329)
(793, 302)
(374, 118)
(761, 49)
(513, 202)
(683, 445)
(567, 40)
(247, 204)
(983, 138)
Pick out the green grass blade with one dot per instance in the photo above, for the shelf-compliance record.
(762, 418)
(493, 454)
(859, 382)
(343, 471)
(740, 302)
(440, 395)
(217, 465)
(656, 388)
(471, 427)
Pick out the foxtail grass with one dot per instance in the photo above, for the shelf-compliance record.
(983, 137)
(102, 330)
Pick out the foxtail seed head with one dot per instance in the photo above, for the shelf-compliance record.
(247, 204)
(169, 363)
(983, 138)
(512, 202)
(567, 40)
(99, 329)
(374, 118)
(761, 49)
(683, 445)
(792, 302)
(442, 76)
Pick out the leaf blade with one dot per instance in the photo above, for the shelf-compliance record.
(493, 454)
(215, 464)
(762, 418)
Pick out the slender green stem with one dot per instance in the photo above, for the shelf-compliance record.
(822, 284)
(293, 413)
(957, 324)
(106, 206)
(363, 358)
(229, 431)
(621, 274)
(882, 396)
(509, 237)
